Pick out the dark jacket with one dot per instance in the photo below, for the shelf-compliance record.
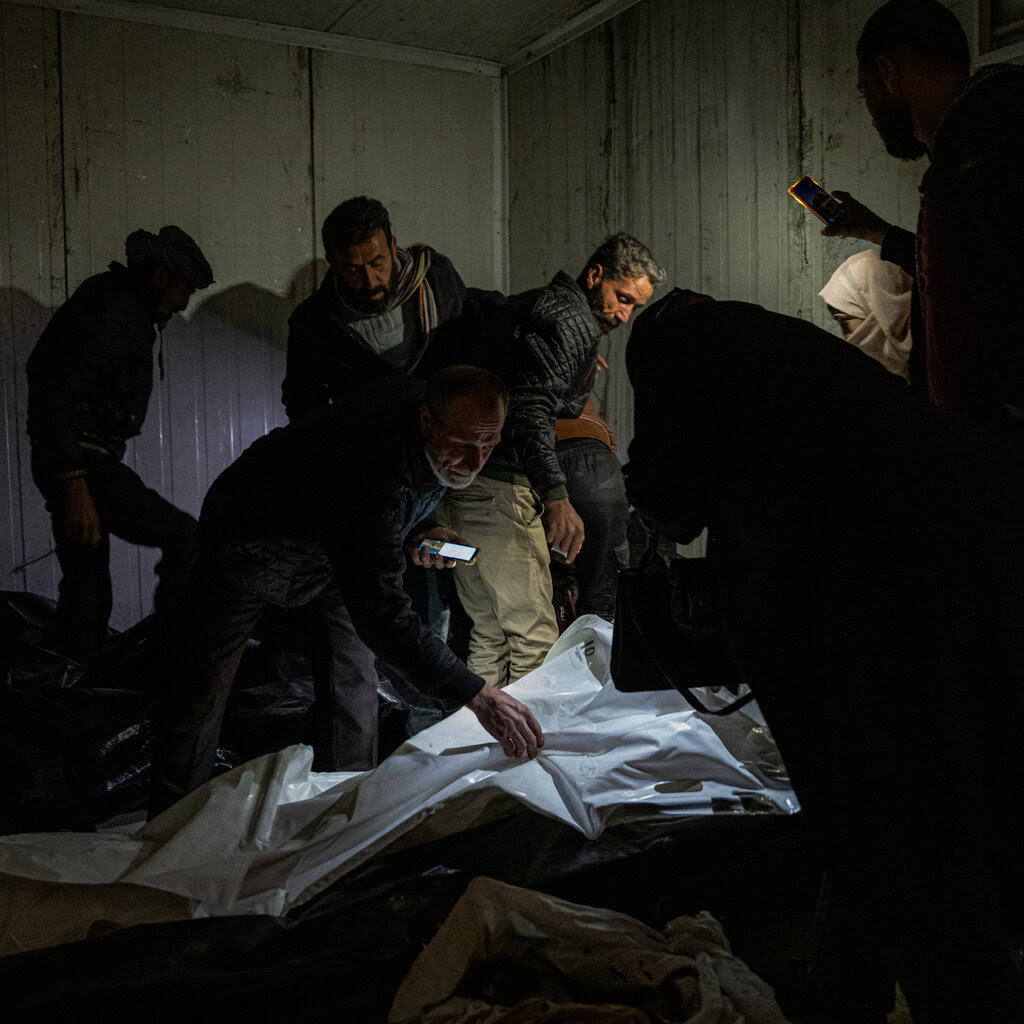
(91, 372)
(967, 312)
(899, 246)
(971, 251)
(543, 344)
(337, 493)
(870, 547)
(327, 358)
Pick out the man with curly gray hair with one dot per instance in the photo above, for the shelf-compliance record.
(543, 344)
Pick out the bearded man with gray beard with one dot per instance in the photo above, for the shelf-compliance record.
(326, 510)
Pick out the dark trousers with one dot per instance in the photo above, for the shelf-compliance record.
(596, 489)
(930, 920)
(221, 621)
(127, 509)
(912, 788)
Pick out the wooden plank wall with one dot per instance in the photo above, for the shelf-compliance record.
(32, 271)
(109, 125)
(684, 122)
(680, 120)
(418, 139)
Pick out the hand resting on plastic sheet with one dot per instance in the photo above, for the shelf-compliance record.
(510, 722)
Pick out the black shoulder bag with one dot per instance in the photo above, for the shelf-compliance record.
(668, 633)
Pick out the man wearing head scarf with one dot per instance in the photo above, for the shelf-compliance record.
(89, 380)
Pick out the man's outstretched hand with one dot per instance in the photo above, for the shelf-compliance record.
(511, 723)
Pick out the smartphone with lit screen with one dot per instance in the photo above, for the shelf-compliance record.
(822, 204)
(449, 549)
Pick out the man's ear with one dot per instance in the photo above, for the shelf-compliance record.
(160, 277)
(426, 421)
(594, 275)
(394, 248)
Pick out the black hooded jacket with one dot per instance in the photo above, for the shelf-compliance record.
(869, 547)
(90, 374)
(337, 494)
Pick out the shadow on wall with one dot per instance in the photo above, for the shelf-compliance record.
(306, 280)
(223, 368)
(225, 364)
(25, 544)
(247, 311)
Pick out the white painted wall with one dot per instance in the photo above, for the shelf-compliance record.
(684, 122)
(247, 144)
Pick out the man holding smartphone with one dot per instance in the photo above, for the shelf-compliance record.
(914, 76)
(324, 510)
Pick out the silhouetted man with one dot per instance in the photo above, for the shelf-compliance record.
(89, 380)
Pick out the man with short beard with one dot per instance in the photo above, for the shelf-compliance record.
(914, 76)
(327, 509)
(544, 345)
(380, 311)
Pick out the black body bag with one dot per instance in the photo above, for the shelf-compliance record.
(668, 634)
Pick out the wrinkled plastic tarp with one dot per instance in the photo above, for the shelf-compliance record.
(271, 834)
(509, 954)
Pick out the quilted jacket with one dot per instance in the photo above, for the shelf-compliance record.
(91, 372)
(543, 344)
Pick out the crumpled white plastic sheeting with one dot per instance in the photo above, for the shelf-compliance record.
(270, 834)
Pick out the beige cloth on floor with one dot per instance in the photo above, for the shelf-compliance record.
(876, 293)
(516, 956)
